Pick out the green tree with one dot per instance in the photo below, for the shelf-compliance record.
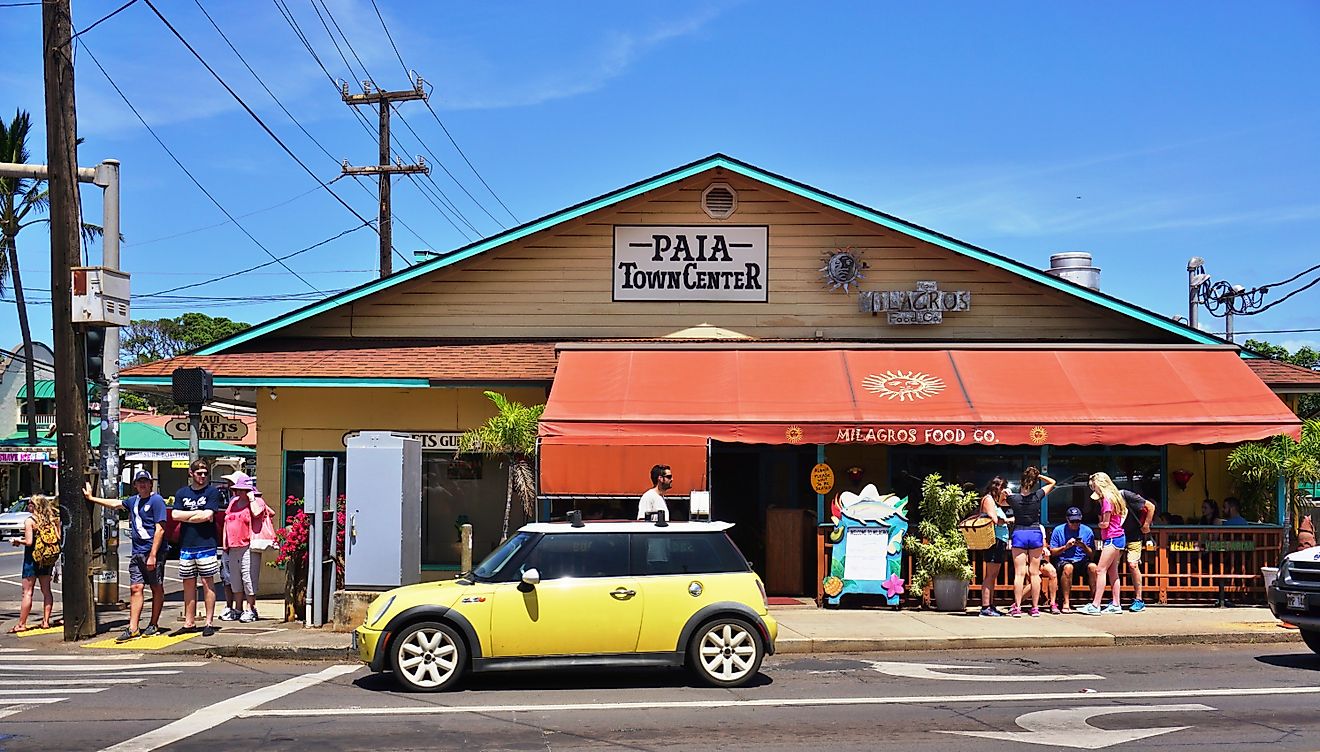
(1309, 404)
(1258, 465)
(511, 435)
(146, 340)
(23, 203)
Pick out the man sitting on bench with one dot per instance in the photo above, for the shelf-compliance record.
(1071, 545)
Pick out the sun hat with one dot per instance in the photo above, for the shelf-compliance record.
(240, 481)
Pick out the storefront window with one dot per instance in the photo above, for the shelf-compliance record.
(458, 490)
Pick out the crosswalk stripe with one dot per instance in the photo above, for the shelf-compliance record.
(124, 657)
(16, 650)
(111, 672)
(15, 709)
(96, 666)
(68, 682)
(39, 700)
(5, 693)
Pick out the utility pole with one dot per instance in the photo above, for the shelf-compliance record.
(384, 168)
(70, 381)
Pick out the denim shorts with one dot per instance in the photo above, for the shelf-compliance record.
(1028, 537)
(1120, 543)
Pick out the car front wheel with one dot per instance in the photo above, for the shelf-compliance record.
(726, 652)
(1312, 639)
(428, 657)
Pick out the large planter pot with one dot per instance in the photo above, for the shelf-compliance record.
(1270, 574)
(950, 592)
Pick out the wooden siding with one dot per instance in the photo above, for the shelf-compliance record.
(557, 284)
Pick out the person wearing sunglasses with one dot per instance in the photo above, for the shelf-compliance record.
(199, 506)
(662, 479)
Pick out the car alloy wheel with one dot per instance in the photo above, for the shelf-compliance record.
(428, 657)
(726, 652)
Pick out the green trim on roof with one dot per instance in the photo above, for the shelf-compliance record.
(44, 389)
(283, 381)
(680, 173)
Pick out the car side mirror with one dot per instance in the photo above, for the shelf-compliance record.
(531, 577)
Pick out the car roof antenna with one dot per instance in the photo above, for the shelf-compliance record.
(575, 518)
(659, 517)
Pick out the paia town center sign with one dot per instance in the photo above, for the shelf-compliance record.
(925, 305)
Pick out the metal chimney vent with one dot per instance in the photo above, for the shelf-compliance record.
(719, 201)
(1076, 268)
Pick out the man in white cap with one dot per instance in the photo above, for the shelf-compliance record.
(146, 517)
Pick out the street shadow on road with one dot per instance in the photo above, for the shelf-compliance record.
(565, 680)
(1303, 661)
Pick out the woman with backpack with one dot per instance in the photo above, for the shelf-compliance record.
(41, 549)
(247, 527)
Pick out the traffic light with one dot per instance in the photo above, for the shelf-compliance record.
(94, 353)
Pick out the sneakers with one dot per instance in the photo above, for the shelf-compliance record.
(128, 634)
(1034, 611)
(997, 611)
(208, 631)
(1015, 611)
(1137, 605)
(988, 611)
(248, 617)
(151, 631)
(1089, 609)
(1113, 608)
(1054, 609)
(229, 614)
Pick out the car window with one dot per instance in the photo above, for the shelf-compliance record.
(686, 553)
(18, 506)
(491, 566)
(579, 555)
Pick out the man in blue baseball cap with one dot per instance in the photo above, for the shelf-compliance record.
(146, 515)
(1072, 544)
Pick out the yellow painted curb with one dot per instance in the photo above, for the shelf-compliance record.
(155, 642)
(38, 631)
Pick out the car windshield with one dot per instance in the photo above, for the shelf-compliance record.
(18, 506)
(492, 564)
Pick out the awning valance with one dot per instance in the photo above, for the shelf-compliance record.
(984, 396)
(620, 464)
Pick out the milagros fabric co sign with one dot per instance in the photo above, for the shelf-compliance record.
(701, 263)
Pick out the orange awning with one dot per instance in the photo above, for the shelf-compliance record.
(619, 465)
(985, 396)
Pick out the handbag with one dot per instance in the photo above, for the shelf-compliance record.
(978, 532)
(263, 531)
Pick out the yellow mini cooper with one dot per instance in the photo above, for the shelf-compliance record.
(570, 595)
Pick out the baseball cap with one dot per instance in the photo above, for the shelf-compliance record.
(1073, 514)
(141, 475)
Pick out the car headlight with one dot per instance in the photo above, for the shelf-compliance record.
(379, 611)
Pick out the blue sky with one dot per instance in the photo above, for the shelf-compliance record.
(1144, 133)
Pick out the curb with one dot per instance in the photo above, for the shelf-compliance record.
(1213, 638)
(807, 646)
(271, 653)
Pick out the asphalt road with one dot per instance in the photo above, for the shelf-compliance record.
(1221, 697)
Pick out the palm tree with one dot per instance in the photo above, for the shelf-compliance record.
(1262, 463)
(511, 435)
(19, 198)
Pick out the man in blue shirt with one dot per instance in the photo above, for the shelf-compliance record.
(1071, 544)
(146, 515)
(1233, 512)
(199, 506)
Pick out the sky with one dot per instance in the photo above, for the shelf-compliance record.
(1143, 133)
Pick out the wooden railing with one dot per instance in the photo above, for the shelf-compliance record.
(1190, 564)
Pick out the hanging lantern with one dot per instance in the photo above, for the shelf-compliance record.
(1181, 477)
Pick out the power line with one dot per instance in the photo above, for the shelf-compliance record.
(254, 115)
(186, 171)
(100, 21)
(408, 72)
(287, 14)
(254, 212)
(1303, 288)
(279, 260)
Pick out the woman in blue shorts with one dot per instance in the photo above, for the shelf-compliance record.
(1028, 537)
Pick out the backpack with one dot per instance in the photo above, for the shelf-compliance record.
(46, 545)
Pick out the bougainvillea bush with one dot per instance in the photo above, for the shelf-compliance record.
(291, 543)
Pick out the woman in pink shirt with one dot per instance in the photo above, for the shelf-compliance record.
(1113, 508)
(245, 513)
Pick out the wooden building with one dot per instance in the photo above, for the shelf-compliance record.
(742, 327)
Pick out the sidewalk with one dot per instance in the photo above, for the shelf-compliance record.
(802, 630)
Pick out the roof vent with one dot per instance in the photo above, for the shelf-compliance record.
(719, 201)
(1076, 268)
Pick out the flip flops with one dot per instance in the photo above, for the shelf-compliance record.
(18, 628)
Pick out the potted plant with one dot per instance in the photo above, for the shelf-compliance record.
(941, 552)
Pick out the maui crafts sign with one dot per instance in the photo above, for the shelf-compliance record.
(714, 263)
(925, 305)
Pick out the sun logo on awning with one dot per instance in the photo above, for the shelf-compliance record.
(903, 385)
(793, 435)
(1038, 435)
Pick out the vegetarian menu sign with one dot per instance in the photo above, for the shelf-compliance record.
(714, 263)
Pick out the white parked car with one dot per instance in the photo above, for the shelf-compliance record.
(11, 520)
(1295, 595)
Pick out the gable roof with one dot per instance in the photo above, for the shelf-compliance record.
(715, 161)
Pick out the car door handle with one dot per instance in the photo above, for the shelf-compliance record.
(622, 594)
